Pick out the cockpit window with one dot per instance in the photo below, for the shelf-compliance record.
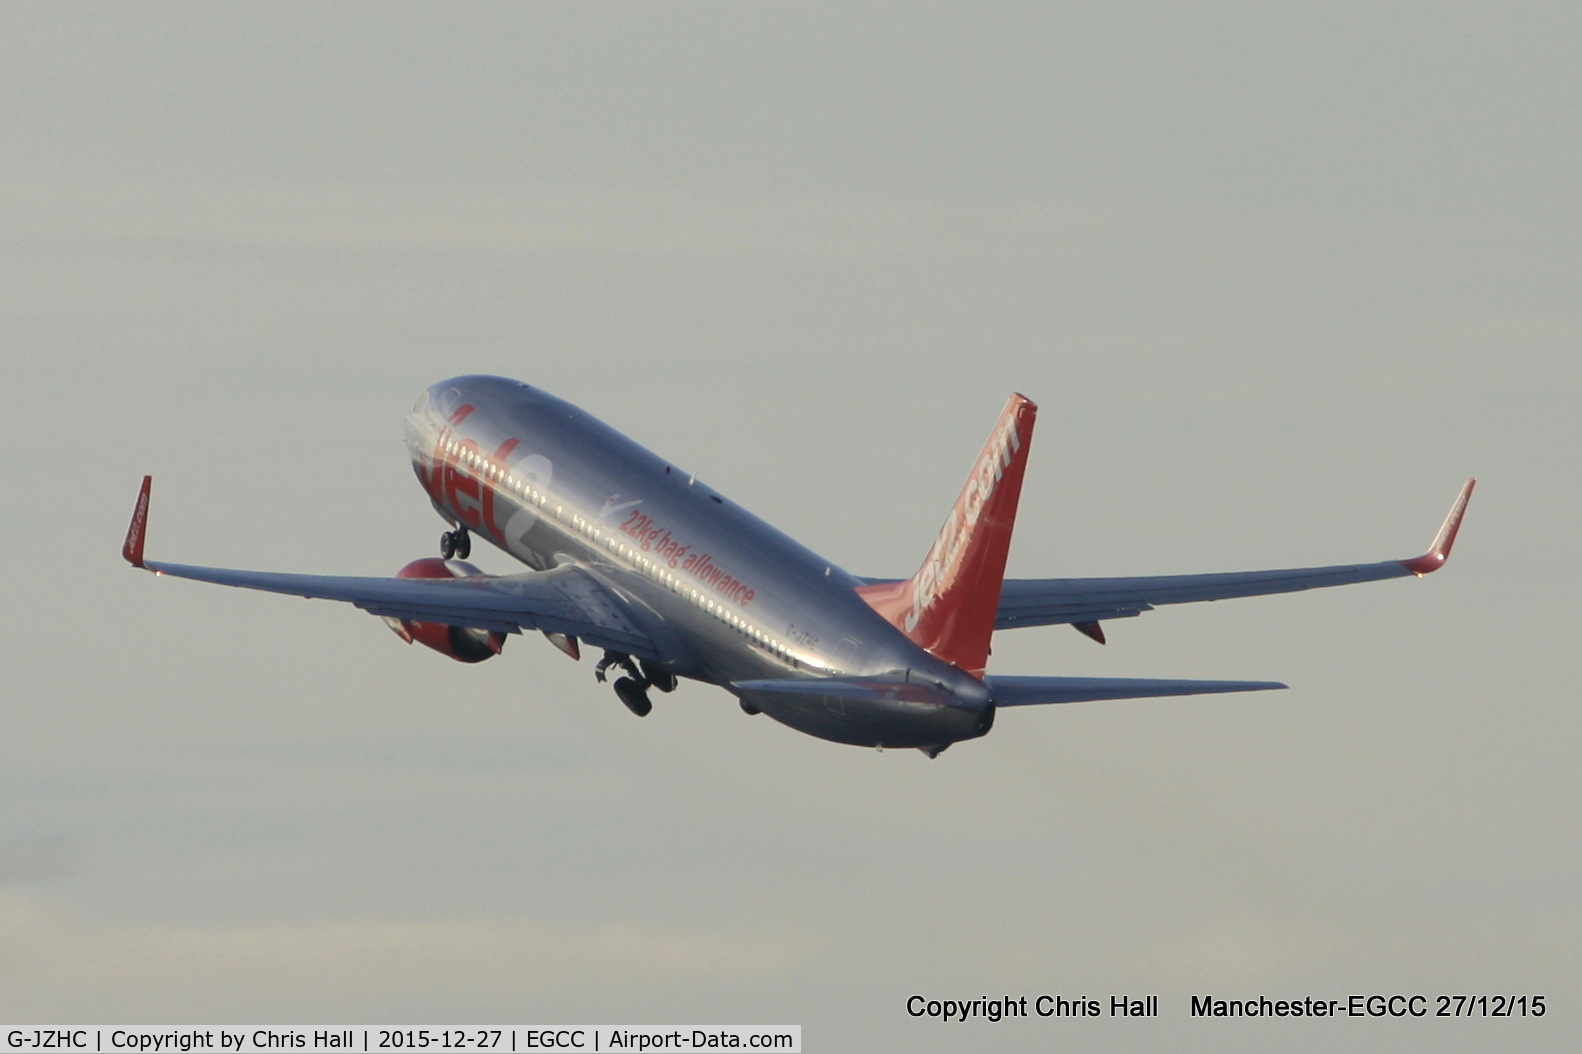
(446, 402)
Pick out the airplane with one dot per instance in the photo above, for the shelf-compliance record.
(672, 580)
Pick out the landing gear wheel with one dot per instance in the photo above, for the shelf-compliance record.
(631, 693)
(457, 543)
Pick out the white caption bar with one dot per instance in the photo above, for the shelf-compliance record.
(585, 1039)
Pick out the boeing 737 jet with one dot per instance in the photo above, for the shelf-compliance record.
(631, 555)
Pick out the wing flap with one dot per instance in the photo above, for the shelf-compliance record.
(1039, 691)
(461, 619)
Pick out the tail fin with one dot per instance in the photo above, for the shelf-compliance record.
(949, 606)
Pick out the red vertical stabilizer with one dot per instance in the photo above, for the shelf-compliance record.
(948, 607)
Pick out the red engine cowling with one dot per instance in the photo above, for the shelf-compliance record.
(462, 643)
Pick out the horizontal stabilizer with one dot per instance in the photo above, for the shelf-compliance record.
(1035, 691)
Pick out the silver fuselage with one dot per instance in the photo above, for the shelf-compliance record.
(725, 597)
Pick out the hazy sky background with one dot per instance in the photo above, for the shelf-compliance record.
(1280, 278)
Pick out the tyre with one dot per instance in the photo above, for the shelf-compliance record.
(631, 693)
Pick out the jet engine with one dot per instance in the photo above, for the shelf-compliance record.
(462, 643)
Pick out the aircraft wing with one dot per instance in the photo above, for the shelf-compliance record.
(1037, 691)
(1005, 691)
(1085, 602)
(564, 600)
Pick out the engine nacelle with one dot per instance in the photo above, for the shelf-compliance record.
(462, 643)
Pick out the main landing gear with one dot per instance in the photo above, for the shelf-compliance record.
(632, 689)
(457, 543)
(633, 695)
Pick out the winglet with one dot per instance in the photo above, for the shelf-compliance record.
(132, 551)
(1439, 552)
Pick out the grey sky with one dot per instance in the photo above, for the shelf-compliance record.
(1278, 279)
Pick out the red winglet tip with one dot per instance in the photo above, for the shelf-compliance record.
(132, 550)
(1439, 552)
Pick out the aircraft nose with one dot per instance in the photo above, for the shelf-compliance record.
(443, 399)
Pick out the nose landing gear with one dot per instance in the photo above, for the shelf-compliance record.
(457, 543)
